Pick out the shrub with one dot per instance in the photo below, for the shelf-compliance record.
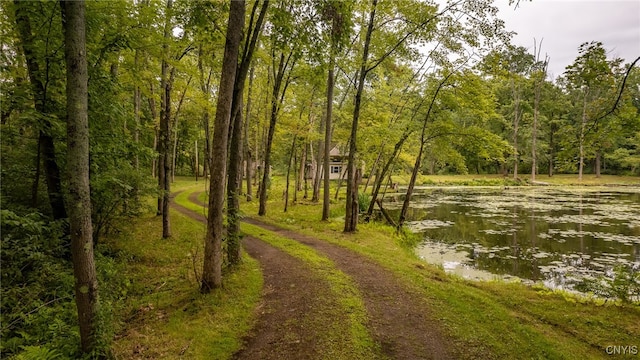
(364, 200)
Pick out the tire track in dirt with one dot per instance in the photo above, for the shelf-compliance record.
(399, 319)
(288, 319)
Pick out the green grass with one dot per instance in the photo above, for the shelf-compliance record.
(490, 319)
(165, 315)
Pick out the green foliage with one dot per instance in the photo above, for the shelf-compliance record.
(38, 353)
(37, 287)
(364, 199)
(115, 197)
(38, 315)
(623, 285)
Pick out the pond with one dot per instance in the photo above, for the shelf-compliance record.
(557, 236)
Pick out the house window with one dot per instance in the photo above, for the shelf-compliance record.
(336, 169)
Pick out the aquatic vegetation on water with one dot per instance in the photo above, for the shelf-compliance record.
(554, 235)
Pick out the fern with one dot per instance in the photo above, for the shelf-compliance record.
(38, 353)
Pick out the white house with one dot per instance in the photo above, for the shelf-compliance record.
(337, 164)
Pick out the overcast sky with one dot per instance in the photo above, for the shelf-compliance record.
(565, 24)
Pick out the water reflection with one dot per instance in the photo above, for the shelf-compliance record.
(543, 234)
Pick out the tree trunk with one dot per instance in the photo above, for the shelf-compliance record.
(164, 139)
(207, 145)
(174, 152)
(351, 212)
(598, 164)
(174, 157)
(154, 115)
(212, 266)
(416, 166)
(137, 98)
(84, 270)
(36, 180)
(286, 188)
(205, 87)
(339, 185)
(197, 163)
(248, 155)
(42, 105)
(234, 180)
(327, 139)
(234, 183)
(276, 100)
(385, 169)
(300, 171)
(317, 176)
(583, 124)
(551, 150)
(540, 78)
(534, 135)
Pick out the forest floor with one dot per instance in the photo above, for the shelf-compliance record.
(400, 322)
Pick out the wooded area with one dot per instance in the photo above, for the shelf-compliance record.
(399, 87)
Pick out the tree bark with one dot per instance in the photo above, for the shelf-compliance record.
(385, 169)
(277, 96)
(137, 98)
(416, 166)
(351, 212)
(583, 125)
(516, 123)
(212, 267)
(286, 188)
(155, 164)
(248, 155)
(42, 105)
(327, 137)
(551, 149)
(164, 140)
(86, 283)
(234, 181)
(234, 184)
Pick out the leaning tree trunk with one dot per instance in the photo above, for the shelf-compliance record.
(351, 212)
(416, 166)
(234, 180)
(84, 270)
(212, 267)
(385, 169)
(277, 97)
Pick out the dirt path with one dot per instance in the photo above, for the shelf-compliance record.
(399, 319)
(289, 320)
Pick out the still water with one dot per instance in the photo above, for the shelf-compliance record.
(557, 236)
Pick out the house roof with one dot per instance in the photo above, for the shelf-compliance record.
(335, 151)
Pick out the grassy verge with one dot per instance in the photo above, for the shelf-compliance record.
(504, 319)
(164, 315)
